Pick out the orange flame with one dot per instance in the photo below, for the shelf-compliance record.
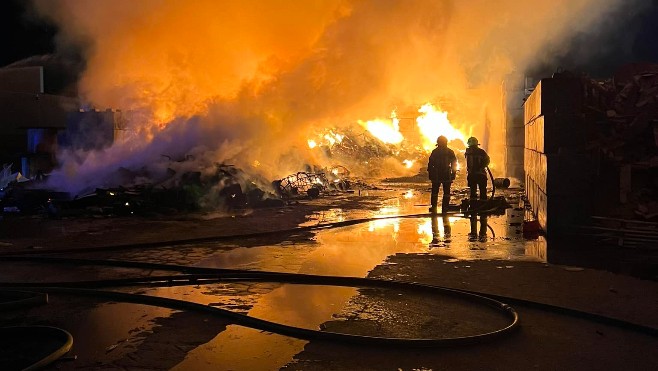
(433, 123)
(328, 139)
(388, 131)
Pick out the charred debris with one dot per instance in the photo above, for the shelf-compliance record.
(227, 188)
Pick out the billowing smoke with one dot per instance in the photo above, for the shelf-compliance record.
(248, 81)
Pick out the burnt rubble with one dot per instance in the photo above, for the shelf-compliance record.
(313, 183)
(365, 154)
(226, 188)
(143, 193)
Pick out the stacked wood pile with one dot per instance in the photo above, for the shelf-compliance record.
(591, 147)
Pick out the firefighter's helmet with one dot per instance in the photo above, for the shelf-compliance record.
(442, 141)
(472, 141)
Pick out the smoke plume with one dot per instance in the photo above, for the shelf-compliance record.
(248, 81)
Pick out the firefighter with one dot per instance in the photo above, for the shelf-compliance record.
(441, 168)
(476, 162)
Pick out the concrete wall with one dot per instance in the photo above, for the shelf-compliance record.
(513, 97)
(21, 111)
(24, 108)
(22, 80)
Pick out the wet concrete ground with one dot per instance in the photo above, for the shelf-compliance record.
(125, 336)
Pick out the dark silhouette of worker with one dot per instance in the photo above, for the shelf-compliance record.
(441, 168)
(474, 234)
(476, 162)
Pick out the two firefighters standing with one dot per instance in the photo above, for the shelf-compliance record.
(442, 169)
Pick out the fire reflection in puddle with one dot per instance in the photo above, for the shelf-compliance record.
(383, 224)
(248, 349)
(325, 216)
(348, 251)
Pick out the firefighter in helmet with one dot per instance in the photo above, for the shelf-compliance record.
(476, 162)
(441, 168)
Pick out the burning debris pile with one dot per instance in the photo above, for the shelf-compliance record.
(225, 188)
(313, 183)
(368, 154)
(141, 192)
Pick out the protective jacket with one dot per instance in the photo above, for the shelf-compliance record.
(476, 160)
(442, 165)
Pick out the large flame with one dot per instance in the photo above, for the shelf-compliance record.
(433, 123)
(248, 80)
(388, 131)
(328, 138)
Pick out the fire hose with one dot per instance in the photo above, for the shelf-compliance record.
(82, 289)
(201, 275)
(211, 275)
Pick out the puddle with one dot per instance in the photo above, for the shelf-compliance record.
(347, 251)
(111, 330)
(240, 348)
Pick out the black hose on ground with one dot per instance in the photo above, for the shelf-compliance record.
(20, 299)
(213, 275)
(17, 355)
(297, 332)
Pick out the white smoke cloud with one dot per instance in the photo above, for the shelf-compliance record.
(248, 81)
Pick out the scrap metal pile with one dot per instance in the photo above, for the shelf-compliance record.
(313, 183)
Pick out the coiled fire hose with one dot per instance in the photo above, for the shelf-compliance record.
(209, 276)
(200, 275)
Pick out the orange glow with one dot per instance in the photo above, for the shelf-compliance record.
(408, 163)
(425, 233)
(333, 138)
(430, 124)
(388, 131)
(328, 139)
(433, 123)
(255, 77)
(378, 224)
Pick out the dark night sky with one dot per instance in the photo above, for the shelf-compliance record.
(22, 36)
(633, 40)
